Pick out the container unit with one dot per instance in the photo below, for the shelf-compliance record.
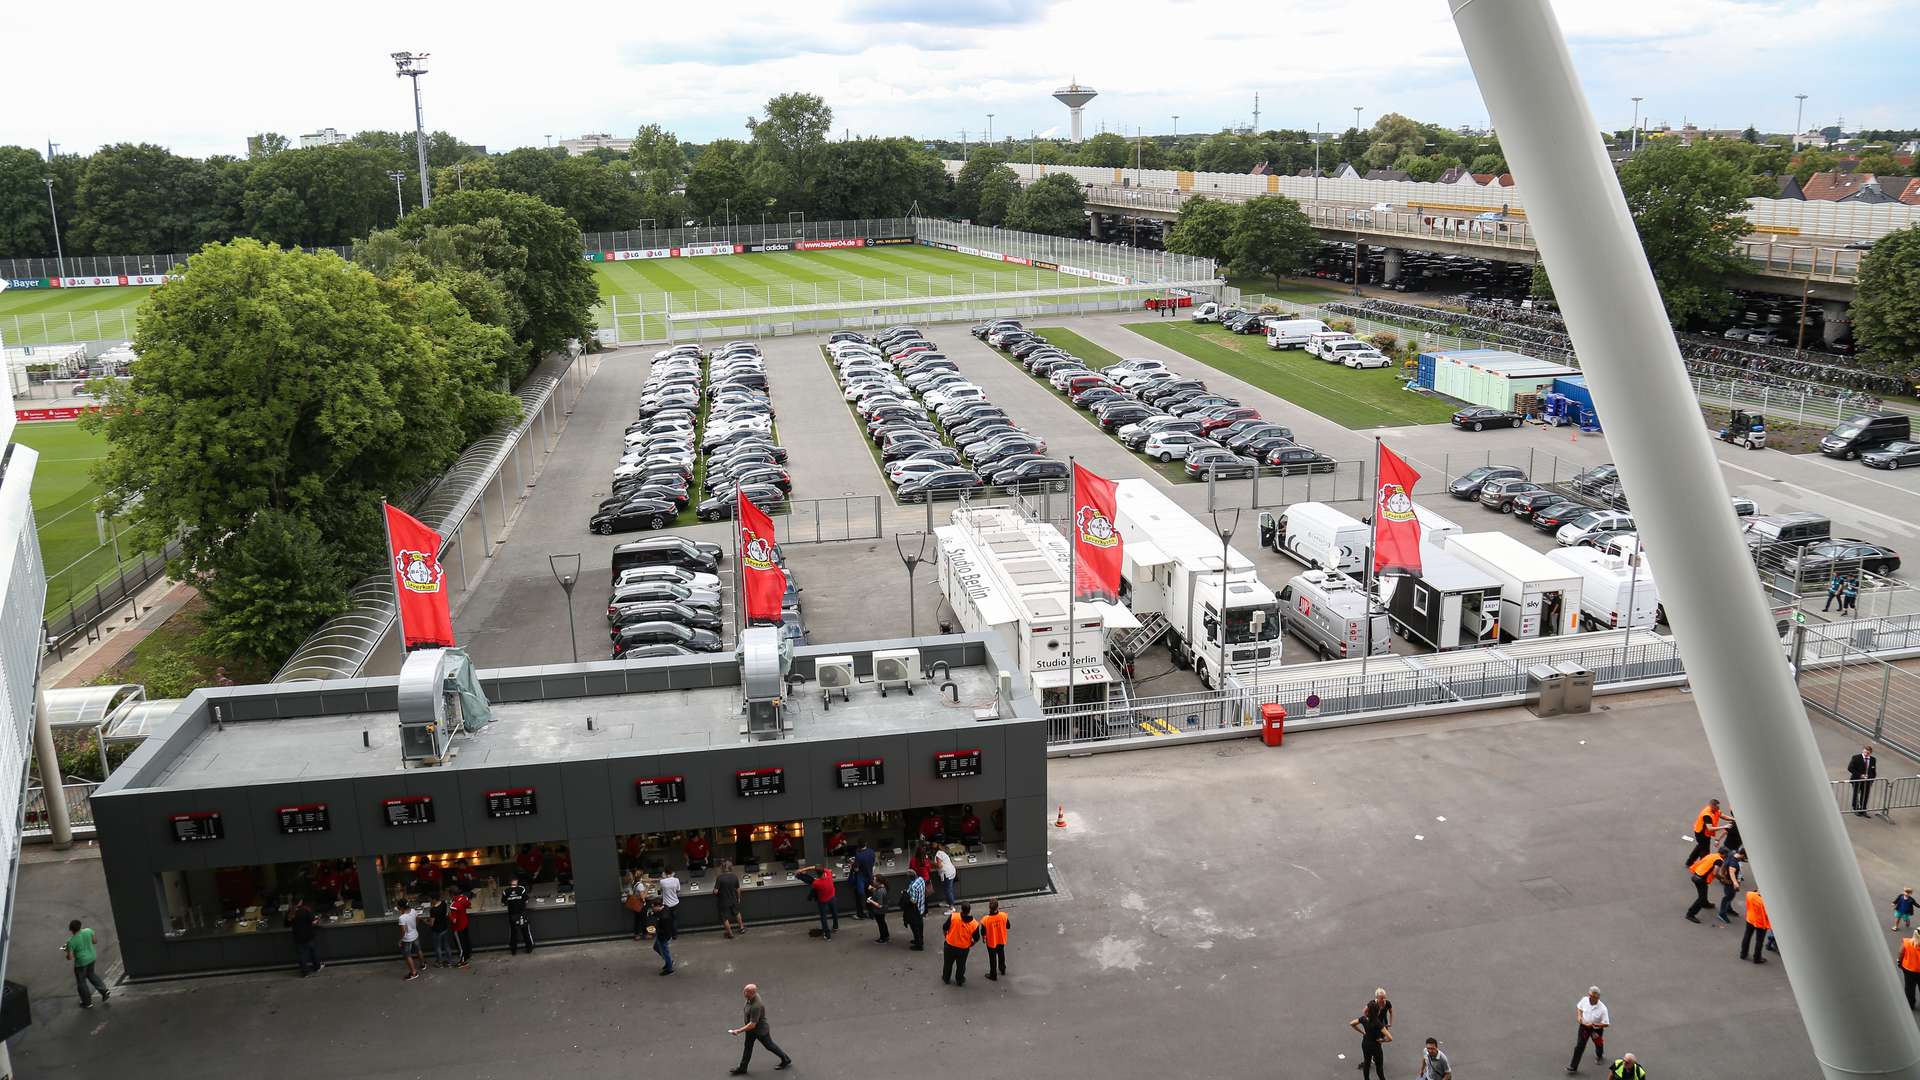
(1449, 604)
(1578, 402)
(1538, 597)
(1493, 378)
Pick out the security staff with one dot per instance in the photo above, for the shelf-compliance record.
(1627, 1068)
(1909, 964)
(518, 928)
(961, 931)
(1757, 926)
(1703, 873)
(1705, 824)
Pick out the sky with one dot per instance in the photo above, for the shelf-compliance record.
(201, 78)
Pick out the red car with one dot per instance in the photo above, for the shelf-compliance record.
(1225, 417)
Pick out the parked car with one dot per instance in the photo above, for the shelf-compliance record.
(1225, 464)
(1499, 493)
(1579, 528)
(638, 513)
(1894, 455)
(1292, 460)
(659, 592)
(1053, 474)
(1481, 417)
(1124, 412)
(1550, 519)
(1165, 446)
(1828, 557)
(946, 485)
(665, 633)
(1527, 502)
(1467, 485)
(665, 611)
(1592, 480)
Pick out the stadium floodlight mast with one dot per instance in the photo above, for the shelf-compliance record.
(58, 254)
(400, 204)
(1356, 118)
(1755, 721)
(412, 66)
(1634, 144)
(1799, 114)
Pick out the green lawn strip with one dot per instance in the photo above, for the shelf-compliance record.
(860, 428)
(1072, 343)
(1298, 291)
(1351, 398)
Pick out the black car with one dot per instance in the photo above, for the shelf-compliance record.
(1596, 478)
(1027, 348)
(722, 506)
(1828, 557)
(1261, 448)
(1096, 395)
(1154, 395)
(678, 497)
(1292, 460)
(946, 485)
(637, 513)
(1896, 455)
(1252, 324)
(700, 556)
(664, 611)
(1549, 519)
(1480, 418)
(1201, 403)
(665, 633)
(1525, 503)
(1467, 485)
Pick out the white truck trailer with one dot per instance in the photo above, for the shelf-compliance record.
(1007, 576)
(1615, 590)
(1538, 597)
(1171, 568)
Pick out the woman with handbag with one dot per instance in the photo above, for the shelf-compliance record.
(636, 902)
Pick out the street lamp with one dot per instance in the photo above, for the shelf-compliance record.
(567, 579)
(397, 176)
(412, 66)
(1635, 144)
(57, 253)
(912, 563)
(1226, 538)
(1799, 111)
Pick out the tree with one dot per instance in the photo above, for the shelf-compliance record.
(320, 196)
(791, 141)
(1205, 229)
(1271, 236)
(723, 181)
(290, 392)
(1488, 165)
(1812, 161)
(656, 154)
(26, 228)
(265, 144)
(998, 189)
(1886, 315)
(1687, 207)
(1053, 205)
(1541, 287)
(872, 178)
(968, 185)
(1226, 152)
(1107, 150)
(539, 265)
(133, 199)
(1881, 163)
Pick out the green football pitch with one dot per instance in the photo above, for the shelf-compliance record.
(55, 316)
(63, 494)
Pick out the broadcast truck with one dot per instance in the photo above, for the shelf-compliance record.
(1170, 568)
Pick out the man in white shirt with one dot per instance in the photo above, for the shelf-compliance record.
(410, 940)
(943, 864)
(1591, 1014)
(670, 890)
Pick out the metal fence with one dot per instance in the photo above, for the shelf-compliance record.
(1840, 678)
(1878, 798)
(816, 521)
(1133, 265)
(68, 327)
(113, 265)
(791, 229)
(78, 616)
(79, 799)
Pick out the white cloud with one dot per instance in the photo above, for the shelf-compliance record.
(505, 76)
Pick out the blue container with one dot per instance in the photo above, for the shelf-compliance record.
(1423, 375)
(1580, 398)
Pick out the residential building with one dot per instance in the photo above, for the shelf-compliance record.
(586, 144)
(323, 137)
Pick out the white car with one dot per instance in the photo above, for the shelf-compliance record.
(901, 471)
(1364, 358)
(953, 394)
(1167, 446)
(1337, 352)
(690, 579)
(1593, 521)
(1317, 344)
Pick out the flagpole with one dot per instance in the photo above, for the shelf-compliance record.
(1073, 569)
(393, 580)
(739, 574)
(1373, 550)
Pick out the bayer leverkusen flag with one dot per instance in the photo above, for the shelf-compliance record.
(765, 582)
(419, 581)
(1396, 531)
(1096, 542)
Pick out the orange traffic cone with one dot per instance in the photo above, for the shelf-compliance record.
(1060, 817)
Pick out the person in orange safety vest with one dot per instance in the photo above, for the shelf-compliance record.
(1703, 872)
(1757, 926)
(1909, 964)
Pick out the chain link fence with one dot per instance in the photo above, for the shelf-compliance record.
(791, 230)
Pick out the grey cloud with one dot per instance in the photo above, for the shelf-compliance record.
(963, 13)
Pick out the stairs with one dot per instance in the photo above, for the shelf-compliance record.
(1134, 642)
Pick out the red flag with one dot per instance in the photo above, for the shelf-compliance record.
(1396, 531)
(1096, 542)
(765, 581)
(419, 581)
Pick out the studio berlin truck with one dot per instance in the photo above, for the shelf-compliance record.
(1171, 572)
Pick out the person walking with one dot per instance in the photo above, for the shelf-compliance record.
(1834, 589)
(83, 952)
(961, 931)
(306, 951)
(668, 890)
(1850, 597)
(1862, 770)
(1375, 1025)
(913, 910)
(664, 931)
(1703, 873)
(1591, 1014)
(1909, 965)
(1705, 824)
(993, 930)
(819, 880)
(943, 865)
(876, 905)
(518, 928)
(754, 1026)
(1729, 878)
(637, 902)
(443, 947)
(1903, 911)
(1757, 927)
(1434, 1064)
(410, 938)
(726, 897)
(861, 877)
(1627, 1068)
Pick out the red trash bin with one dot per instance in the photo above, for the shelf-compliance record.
(1273, 724)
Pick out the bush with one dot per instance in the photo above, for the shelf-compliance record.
(1385, 342)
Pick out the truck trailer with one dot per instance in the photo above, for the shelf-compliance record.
(1170, 567)
(1449, 604)
(1330, 612)
(1538, 597)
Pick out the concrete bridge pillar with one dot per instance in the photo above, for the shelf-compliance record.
(1390, 271)
(1837, 323)
(1093, 224)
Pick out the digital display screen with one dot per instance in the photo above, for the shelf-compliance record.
(866, 772)
(661, 790)
(410, 810)
(511, 802)
(189, 827)
(756, 782)
(952, 764)
(312, 817)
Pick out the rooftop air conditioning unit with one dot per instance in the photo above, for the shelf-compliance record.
(896, 667)
(835, 675)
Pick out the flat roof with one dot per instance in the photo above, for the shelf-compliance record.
(537, 732)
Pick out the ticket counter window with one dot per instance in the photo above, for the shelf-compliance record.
(697, 853)
(482, 873)
(973, 826)
(251, 899)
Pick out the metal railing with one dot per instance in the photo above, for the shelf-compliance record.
(79, 615)
(817, 521)
(1123, 264)
(79, 799)
(748, 233)
(114, 265)
(1841, 679)
(1878, 798)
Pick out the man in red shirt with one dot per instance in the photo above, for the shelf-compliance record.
(458, 921)
(969, 825)
(819, 880)
(783, 847)
(630, 853)
(931, 831)
(697, 852)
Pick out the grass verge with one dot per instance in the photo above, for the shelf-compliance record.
(1350, 398)
(860, 429)
(1096, 358)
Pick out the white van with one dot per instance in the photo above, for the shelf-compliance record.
(1207, 312)
(1292, 333)
(1330, 612)
(1318, 343)
(1319, 536)
(1613, 591)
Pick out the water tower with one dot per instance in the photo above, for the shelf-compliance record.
(1075, 98)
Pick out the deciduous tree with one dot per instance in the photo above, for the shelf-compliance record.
(1271, 236)
(1205, 229)
(1054, 205)
(1886, 317)
(791, 140)
(1687, 208)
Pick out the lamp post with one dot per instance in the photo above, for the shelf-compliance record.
(58, 254)
(412, 66)
(1799, 113)
(567, 579)
(1635, 143)
(1226, 539)
(400, 203)
(912, 563)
